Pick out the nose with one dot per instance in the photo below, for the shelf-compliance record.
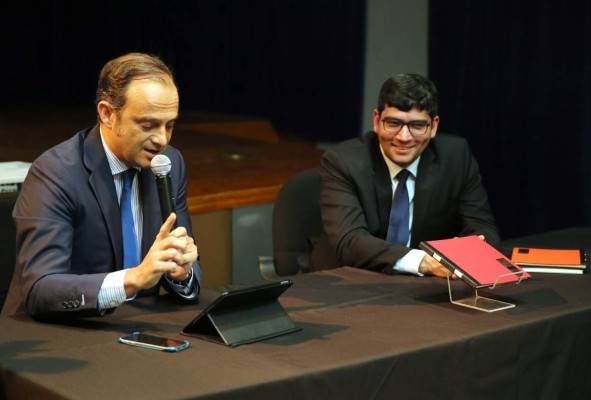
(404, 133)
(161, 137)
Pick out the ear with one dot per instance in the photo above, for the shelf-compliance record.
(106, 113)
(376, 120)
(434, 126)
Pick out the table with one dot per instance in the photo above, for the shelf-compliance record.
(365, 335)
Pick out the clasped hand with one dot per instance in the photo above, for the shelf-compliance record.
(172, 253)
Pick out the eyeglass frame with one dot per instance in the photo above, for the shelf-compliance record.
(407, 124)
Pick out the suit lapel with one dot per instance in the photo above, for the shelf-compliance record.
(427, 177)
(101, 182)
(381, 183)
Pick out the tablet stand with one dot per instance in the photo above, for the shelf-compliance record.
(484, 303)
(247, 324)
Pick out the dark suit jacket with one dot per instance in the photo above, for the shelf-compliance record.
(69, 227)
(356, 197)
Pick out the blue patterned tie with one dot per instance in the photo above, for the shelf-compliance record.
(130, 249)
(398, 230)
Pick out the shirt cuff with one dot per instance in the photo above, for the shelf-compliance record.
(410, 262)
(112, 292)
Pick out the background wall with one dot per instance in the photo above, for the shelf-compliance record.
(396, 42)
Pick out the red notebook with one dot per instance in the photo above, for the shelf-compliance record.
(474, 261)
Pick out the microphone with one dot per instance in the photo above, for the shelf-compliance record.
(161, 167)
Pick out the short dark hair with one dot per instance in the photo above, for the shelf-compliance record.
(119, 72)
(405, 91)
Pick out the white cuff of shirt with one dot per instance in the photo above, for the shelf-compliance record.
(112, 293)
(410, 263)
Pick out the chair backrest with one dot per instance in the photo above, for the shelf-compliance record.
(7, 243)
(296, 221)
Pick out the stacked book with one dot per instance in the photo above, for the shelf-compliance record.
(560, 261)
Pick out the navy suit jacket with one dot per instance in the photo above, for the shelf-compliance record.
(356, 198)
(69, 227)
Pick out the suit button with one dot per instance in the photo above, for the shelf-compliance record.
(76, 303)
(65, 304)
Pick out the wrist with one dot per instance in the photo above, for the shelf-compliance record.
(130, 283)
(183, 282)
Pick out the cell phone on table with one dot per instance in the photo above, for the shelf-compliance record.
(154, 342)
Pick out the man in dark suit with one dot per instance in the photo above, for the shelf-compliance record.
(67, 216)
(445, 196)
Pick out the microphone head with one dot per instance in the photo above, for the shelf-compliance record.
(160, 165)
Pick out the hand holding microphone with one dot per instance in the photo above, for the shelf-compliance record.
(173, 252)
(161, 167)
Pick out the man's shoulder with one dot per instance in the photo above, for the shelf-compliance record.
(355, 145)
(447, 143)
(175, 156)
(356, 155)
(65, 153)
(172, 151)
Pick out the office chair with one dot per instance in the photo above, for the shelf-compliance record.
(296, 221)
(7, 243)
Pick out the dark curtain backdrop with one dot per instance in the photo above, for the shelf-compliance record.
(298, 63)
(514, 77)
(515, 80)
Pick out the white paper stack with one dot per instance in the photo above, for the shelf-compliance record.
(12, 174)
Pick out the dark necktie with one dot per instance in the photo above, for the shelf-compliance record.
(130, 250)
(398, 230)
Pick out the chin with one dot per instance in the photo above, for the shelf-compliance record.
(403, 161)
(144, 163)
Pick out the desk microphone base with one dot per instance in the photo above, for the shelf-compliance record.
(478, 302)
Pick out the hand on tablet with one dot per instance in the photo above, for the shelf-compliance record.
(430, 266)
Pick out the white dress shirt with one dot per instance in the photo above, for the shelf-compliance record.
(410, 262)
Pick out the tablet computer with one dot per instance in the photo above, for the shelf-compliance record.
(244, 315)
(475, 261)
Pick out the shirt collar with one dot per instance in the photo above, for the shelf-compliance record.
(117, 166)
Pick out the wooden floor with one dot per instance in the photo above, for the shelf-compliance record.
(232, 161)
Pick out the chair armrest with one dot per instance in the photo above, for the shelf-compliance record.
(267, 268)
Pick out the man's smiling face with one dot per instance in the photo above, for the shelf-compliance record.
(403, 147)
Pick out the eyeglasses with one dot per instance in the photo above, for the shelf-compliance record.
(416, 128)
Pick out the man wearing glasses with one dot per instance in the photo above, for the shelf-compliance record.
(386, 191)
